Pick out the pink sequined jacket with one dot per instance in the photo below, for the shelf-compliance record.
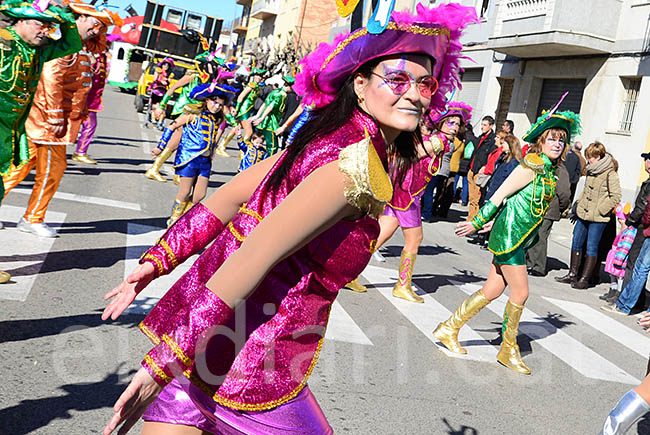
(100, 72)
(417, 178)
(275, 337)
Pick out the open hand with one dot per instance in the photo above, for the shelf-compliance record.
(464, 229)
(279, 131)
(126, 292)
(133, 402)
(58, 130)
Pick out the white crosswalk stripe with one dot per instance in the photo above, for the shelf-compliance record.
(426, 316)
(633, 340)
(575, 354)
(27, 253)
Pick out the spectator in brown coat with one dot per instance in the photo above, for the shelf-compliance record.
(601, 194)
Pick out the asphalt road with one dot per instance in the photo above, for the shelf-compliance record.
(380, 371)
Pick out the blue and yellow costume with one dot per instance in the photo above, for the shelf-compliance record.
(194, 154)
(302, 120)
(250, 154)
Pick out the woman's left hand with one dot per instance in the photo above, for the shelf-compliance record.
(133, 402)
(464, 229)
(487, 227)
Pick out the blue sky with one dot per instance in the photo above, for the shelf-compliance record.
(225, 9)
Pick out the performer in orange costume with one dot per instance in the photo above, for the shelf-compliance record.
(56, 116)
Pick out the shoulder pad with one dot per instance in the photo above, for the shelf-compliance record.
(535, 162)
(437, 144)
(368, 186)
(5, 39)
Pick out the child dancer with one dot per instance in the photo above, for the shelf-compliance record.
(158, 88)
(193, 163)
(617, 256)
(253, 150)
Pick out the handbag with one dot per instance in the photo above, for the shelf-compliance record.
(481, 180)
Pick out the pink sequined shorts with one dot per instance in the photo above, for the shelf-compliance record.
(409, 218)
(181, 402)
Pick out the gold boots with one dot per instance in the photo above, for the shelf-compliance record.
(447, 331)
(83, 158)
(221, 149)
(356, 286)
(188, 206)
(403, 287)
(4, 276)
(509, 353)
(177, 179)
(154, 171)
(177, 211)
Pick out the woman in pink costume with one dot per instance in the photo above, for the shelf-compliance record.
(233, 351)
(95, 104)
(403, 210)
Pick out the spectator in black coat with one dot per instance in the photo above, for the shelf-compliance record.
(482, 150)
(574, 167)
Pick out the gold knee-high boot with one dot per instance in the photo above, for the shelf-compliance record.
(356, 286)
(154, 171)
(188, 206)
(447, 331)
(4, 276)
(221, 149)
(177, 211)
(509, 353)
(402, 288)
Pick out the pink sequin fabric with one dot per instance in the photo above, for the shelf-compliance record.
(276, 335)
(186, 237)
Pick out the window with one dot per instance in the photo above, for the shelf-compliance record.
(631, 87)
(120, 54)
(485, 8)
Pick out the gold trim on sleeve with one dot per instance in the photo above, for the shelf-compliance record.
(169, 252)
(149, 333)
(155, 259)
(177, 350)
(157, 370)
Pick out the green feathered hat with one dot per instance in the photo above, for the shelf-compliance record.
(289, 80)
(23, 10)
(258, 71)
(567, 121)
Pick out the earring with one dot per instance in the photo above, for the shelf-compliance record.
(361, 99)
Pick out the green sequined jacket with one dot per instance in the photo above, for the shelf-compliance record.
(518, 220)
(277, 101)
(20, 70)
(245, 108)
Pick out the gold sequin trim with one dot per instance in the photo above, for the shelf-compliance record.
(249, 212)
(235, 233)
(159, 264)
(391, 26)
(373, 246)
(169, 252)
(157, 370)
(149, 333)
(177, 350)
(266, 405)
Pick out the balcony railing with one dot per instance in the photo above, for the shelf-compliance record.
(263, 9)
(543, 28)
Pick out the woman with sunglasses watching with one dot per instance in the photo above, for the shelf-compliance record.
(300, 224)
(529, 190)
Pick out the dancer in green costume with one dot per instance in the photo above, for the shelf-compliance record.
(528, 190)
(24, 48)
(246, 102)
(269, 116)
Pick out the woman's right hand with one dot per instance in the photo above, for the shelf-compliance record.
(155, 152)
(126, 292)
(464, 229)
(133, 402)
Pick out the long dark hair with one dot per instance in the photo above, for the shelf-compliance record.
(327, 119)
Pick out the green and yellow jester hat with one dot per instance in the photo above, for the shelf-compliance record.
(25, 10)
(567, 121)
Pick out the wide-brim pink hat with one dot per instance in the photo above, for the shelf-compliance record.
(431, 31)
(453, 108)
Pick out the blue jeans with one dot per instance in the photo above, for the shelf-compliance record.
(427, 198)
(465, 191)
(632, 290)
(592, 231)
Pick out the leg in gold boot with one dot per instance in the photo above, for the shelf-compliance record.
(154, 171)
(356, 286)
(83, 158)
(177, 211)
(221, 149)
(4, 276)
(447, 331)
(509, 353)
(403, 287)
(188, 206)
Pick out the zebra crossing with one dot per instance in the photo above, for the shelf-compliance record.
(545, 337)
